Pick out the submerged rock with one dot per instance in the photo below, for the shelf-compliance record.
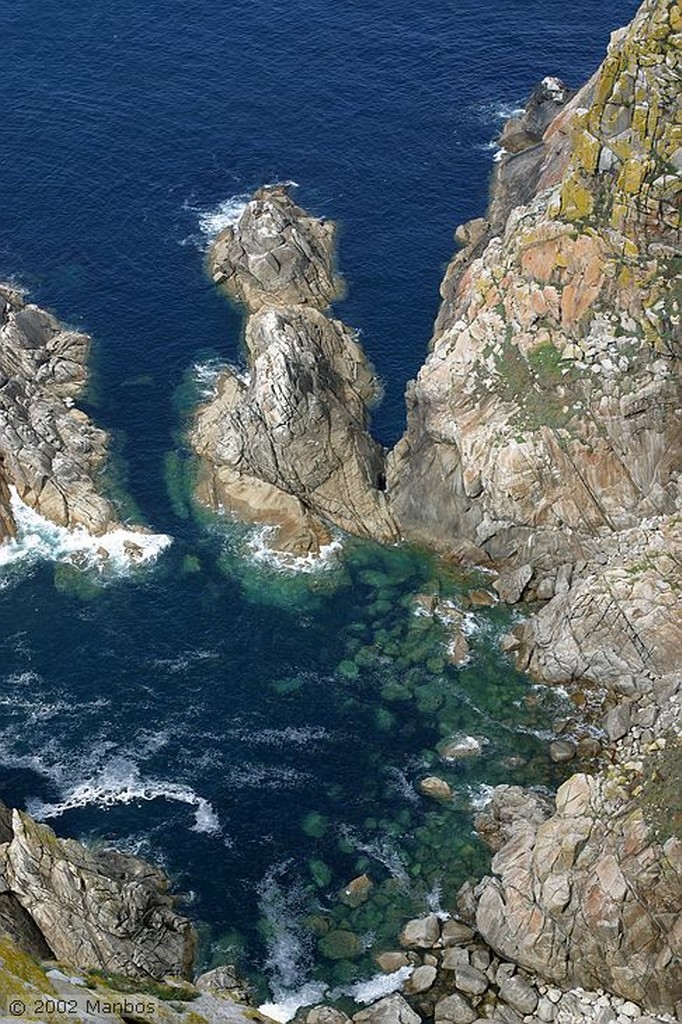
(288, 444)
(458, 747)
(357, 891)
(340, 944)
(437, 789)
(562, 751)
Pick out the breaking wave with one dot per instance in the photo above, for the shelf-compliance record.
(120, 783)
(38, 540)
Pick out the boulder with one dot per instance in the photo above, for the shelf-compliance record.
(517, 992)
(392, 960)
(437, 789)
(421, 932)
(421, 980)
(326, 1015)
(454, 957)
(511, 584)
(562, 751)
(456, 933)
(357, 891)
(617, 722)
(470, 980)
(454, 1009)
(391, 1010)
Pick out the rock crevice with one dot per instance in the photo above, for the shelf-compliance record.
(287, 443)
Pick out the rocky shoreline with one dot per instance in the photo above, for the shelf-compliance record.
(287, 444)
(53, 457)
(544, 427)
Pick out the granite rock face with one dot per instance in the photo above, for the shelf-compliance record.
(589, 897)
(276, 255)
(50, 451)
(618, 625)
(545, 428)
(7, 528)
(548, 412)
(97, 909)
(287, 443)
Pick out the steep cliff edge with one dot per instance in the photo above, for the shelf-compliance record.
(545, 427)
(547, 413)
(93, 935)
(288, 444)
(95, 908)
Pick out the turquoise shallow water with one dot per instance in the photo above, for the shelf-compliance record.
(263, 734)
(259, 734)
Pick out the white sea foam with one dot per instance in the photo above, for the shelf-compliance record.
(381, 850)
(119, 782)
(287, 1006)
(38, 539)
(375, 988)
(205, 374)
(434, 901)
(282, 903)
(400, 782)
(37, 710)
(290, 736)
(283, 562)
(497, 110)
(267, 777)
(479, 795)
(211, 220)
(184, 660)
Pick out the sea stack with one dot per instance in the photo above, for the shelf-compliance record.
(287, 444)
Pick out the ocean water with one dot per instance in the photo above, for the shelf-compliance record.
(258, 732)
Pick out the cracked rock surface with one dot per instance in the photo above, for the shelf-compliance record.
(50, 451)
(547, 414)
(287, 444)
(98, 909)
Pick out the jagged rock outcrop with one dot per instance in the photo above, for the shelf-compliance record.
(31, 990)
(7, 527)
(589, 897)
(616, 625)
(287, 443)
(94, 908)
(548, 412)
(50, 451)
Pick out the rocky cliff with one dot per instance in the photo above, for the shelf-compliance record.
(95, 908)
(547, 413)
(545, 426)
(287, 444)
(93, 935)
(50, 451)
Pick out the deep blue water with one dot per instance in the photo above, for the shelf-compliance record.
(122, 125)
